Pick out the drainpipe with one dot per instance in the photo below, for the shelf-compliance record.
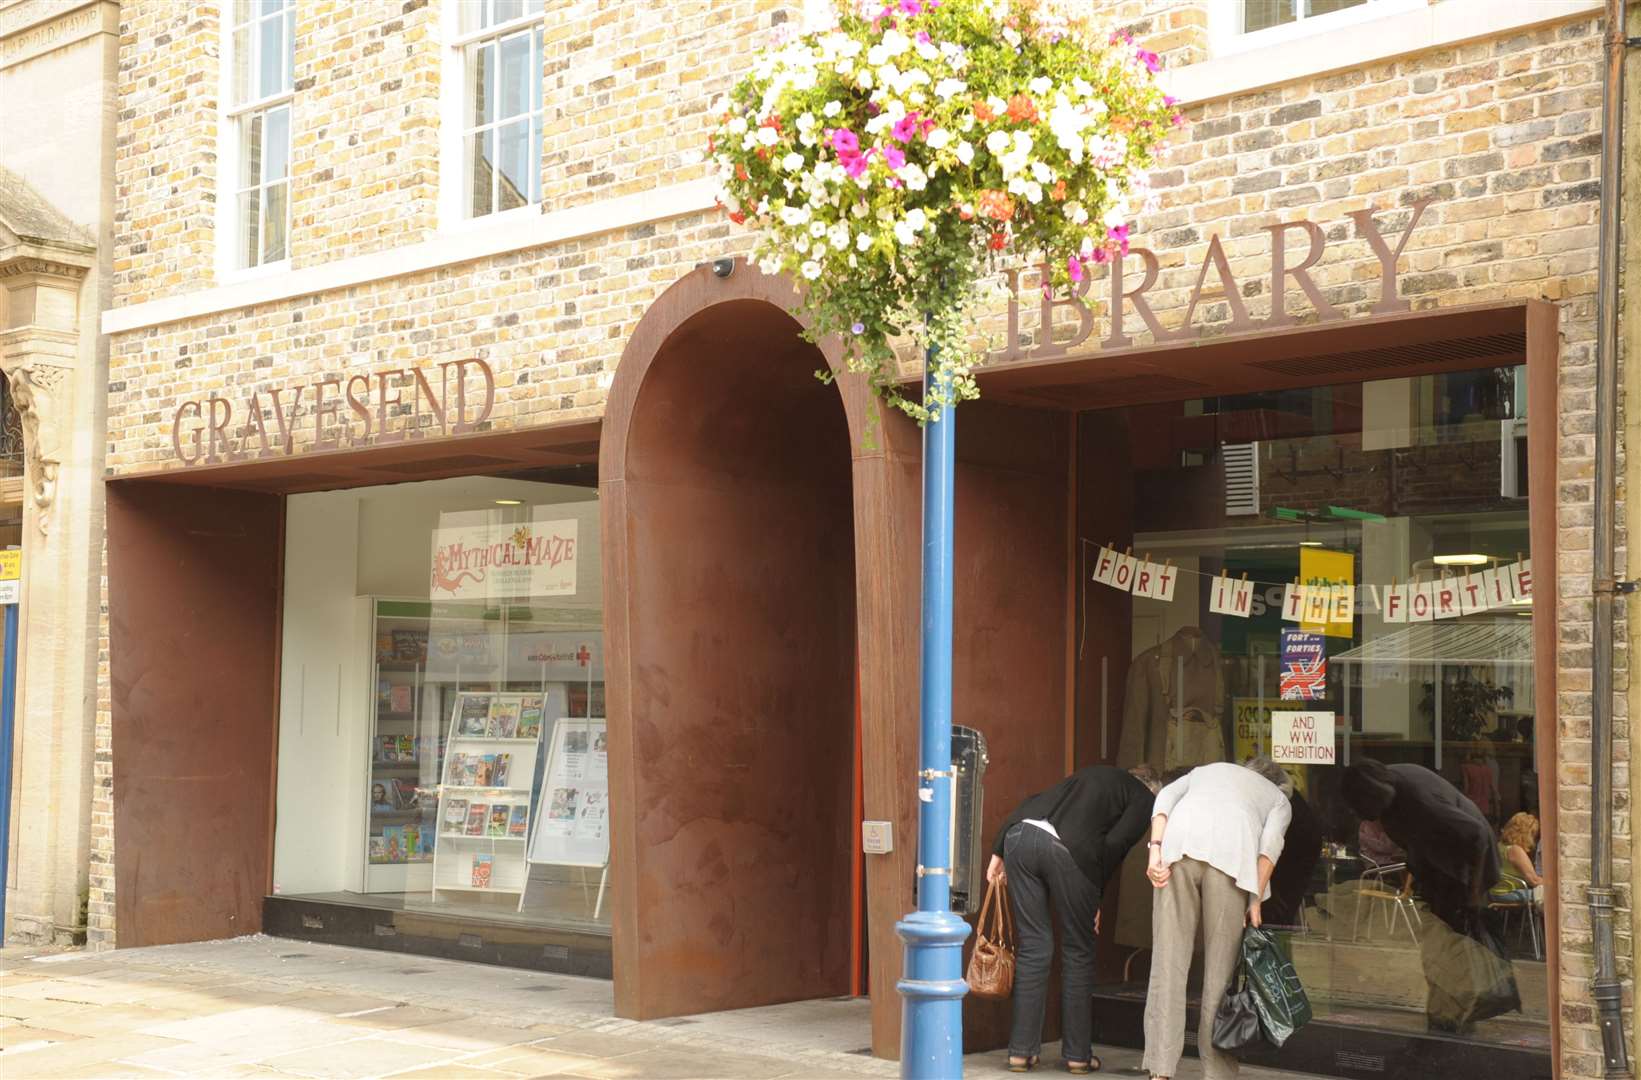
(1606, 989)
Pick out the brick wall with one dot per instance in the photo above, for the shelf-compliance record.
(1502, 134)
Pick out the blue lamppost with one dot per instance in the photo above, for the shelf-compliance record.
(932, 987)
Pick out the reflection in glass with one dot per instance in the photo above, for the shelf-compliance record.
(1363, 490)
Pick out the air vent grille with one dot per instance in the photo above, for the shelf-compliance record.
(1241, 478)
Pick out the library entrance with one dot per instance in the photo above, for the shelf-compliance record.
(726, 469)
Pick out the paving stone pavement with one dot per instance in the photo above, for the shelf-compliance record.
(267, 1007)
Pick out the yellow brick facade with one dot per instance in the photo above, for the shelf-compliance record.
(1501, 134)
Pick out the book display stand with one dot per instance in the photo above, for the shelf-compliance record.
(484, 797)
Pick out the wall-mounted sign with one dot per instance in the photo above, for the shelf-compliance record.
(1302, 738)
(877, 837)
(1126, 295)
(377, 408)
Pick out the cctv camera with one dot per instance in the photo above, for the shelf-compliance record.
(723, 267)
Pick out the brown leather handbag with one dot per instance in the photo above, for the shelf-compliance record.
(991, 965)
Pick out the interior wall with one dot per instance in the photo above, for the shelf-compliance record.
(324, 720)
(730, 546)
(1010, 575)
(193, 596)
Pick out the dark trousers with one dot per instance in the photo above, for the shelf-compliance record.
(1041, 873)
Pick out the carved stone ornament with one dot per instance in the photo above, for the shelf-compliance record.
(36, 391)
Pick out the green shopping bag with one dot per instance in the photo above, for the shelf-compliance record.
(1279, 999)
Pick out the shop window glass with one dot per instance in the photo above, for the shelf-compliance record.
(1395, 506)
(459, 767)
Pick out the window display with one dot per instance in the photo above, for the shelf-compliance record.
(473, 610)
(1340, 578)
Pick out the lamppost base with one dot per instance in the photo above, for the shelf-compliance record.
(931, 1022)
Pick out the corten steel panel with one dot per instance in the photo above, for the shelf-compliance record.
(193, 599)
(733, 721)
(1543, 451)
(1008, 616)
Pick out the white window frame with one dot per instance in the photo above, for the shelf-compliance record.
(453, 174)
(1225, 23)
(231, 258)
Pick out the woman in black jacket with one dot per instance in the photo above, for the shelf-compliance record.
(1059, 848)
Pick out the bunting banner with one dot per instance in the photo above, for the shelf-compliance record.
(1324, 601)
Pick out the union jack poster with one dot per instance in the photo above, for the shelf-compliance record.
(1304, 666)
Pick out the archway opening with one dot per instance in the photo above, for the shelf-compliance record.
(737, 578)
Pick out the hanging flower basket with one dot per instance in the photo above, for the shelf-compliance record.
(889, 159)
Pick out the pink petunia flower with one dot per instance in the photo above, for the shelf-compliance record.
(912, 7)
(845, 141)
(1151, 60)
(853, 164)
(1074, 267)
(906, 130)
(892, 157)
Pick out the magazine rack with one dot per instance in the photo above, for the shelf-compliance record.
(487, 764)
(571, 826)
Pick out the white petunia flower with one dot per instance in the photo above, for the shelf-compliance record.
(1042, 173)
(792, 162)
(863, 241)
(938, 139)
(1040, 85)
(905, 233)
(768, 136)
(965, 153)
(917, 219)
(997, 142)
(946, 89)
(1033, 191)
(736, 125)
(832, 109)
(811, 270)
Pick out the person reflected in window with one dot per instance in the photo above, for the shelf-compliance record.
(1520, 882)
(1455, 863)
(1057, 850)
(1217, 834)
(1449, 843)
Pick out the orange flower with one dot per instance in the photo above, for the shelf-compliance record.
(1059, 191)
(1022, 109)
(997, 205)
(1121, 124)
(999, 240)
(740, 171)
(983, 113)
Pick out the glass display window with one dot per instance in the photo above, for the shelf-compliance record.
(460, 766)
(1339, 578)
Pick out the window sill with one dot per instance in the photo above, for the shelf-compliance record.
(254, 273)
(503, 219)
(1446, 23)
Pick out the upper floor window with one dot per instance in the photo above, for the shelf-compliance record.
(501, 110)
(261, 49)
(1251, 24)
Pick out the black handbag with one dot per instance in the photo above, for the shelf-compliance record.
(1236, 1021)
(1277, 994)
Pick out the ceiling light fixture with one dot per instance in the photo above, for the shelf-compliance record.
(1471, 559)
(509, 502)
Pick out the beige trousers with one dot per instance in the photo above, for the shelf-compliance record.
(1195, 892)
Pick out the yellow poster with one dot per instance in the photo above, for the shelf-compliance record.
(1320, 568)
(1252, 724)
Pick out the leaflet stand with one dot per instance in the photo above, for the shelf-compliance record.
(461, 851)
(571, 826)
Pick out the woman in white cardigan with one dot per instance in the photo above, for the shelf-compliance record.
(1216, 834)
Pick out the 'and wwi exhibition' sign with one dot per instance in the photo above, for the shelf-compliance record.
(1302, 738)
